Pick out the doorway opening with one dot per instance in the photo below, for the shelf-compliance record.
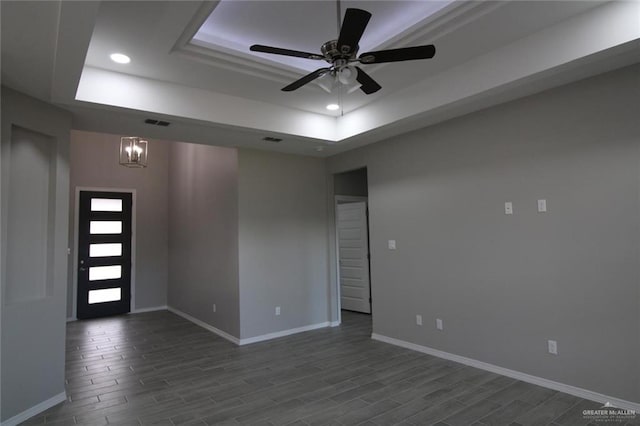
(104, 253)
(352, 242)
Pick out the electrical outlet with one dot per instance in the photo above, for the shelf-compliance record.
(553, 347)
(214, 307)
(392, 244)
(439, 324)
(277, 310)
(418, 319)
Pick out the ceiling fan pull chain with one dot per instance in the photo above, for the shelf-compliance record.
(340, 89)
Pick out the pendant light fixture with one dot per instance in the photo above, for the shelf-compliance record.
(133, 152)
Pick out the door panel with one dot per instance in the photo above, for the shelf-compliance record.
(353, 250)
(353, 273)
(354, 234)
(104, 254)
(351, 253)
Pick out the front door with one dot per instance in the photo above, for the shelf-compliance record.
(104, 254)
(353, 256)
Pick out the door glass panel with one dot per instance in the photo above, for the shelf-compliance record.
(105, 250)
(105, 272)
(105, 227)
(105, 295)
(106, 205)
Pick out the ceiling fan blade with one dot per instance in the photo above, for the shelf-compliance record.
(368, 84)
(353, 25)
(306, 79)
(397, 55)
(285, 52)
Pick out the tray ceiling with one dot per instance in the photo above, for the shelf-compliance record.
(190, 63)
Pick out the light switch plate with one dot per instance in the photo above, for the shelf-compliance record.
(553, 347)
(542, 206)
(508, 207)
(418, 319)
(439, 324)
(392, 244)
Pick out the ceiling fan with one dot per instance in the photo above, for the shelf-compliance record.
(342, 52)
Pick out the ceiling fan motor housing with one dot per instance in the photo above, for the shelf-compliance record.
(332, 53)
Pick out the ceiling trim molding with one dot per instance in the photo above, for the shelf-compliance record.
(441, 23)
(187, 47)
(234, 63)
(455, 14)
(198, 19)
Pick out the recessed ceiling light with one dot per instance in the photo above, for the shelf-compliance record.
(120, 58)
(333, 107)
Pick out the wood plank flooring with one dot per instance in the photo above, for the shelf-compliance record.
(157, 368)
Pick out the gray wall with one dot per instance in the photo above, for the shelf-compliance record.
(353, 183)
(282, 242)
(203, 234)
(94, 163)
(505, 284)
(33, 321)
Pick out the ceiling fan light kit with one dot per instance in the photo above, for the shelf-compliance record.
(341, 55)
(347, 75)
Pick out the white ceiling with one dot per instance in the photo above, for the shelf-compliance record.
(214, 90)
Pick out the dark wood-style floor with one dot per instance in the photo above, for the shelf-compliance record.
(157, 368)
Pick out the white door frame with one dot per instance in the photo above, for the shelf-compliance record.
(76, 219)
(345, 199)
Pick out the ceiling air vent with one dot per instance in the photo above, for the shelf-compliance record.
(157, 122)
(271, 139)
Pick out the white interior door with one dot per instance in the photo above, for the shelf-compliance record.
(353, 252)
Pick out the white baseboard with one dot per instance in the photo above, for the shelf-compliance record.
(204, 325)
(151, 309)
(35, 410)
(249, 340)
(72, 319)
(571, 390)
(283, 333)
(335, 323)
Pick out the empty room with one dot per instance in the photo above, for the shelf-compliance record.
(332, 212)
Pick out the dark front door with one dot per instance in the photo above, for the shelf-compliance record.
(104, 254)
